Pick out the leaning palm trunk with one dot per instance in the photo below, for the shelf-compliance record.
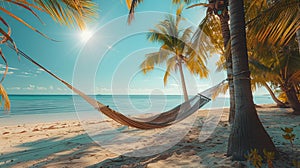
(293, 99)
(247, 131)
(226, 37)
(185, 94)
(275, 99)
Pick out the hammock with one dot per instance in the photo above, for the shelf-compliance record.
(160, 120)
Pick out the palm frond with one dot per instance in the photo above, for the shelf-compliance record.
(5, 35)
(26, 6)
(132, 4)
(196, 65)
(171, 66)
(278, 24)
(178, 14)
(260, 66)
(199, 4)
(4, 98)
(178, 44)
(295, 78)
(6, 66)
(22, 21)
(180, 1)
(186, 35)
(221, 64)
(69, 12)
(222, 89)
(153, 59)
(209, 31)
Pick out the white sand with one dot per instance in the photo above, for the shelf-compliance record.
(67, 144)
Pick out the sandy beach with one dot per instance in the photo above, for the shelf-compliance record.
(68, 144)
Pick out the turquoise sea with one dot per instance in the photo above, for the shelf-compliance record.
(49, 104)
(26, 109)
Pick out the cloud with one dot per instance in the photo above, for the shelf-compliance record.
(102, 90)
(26, 73)
(39, 70)
(24, 76)
(14, 88)
(10, 68)
(41, 88)
(30, 87)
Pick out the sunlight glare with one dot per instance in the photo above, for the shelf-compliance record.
(85, 35)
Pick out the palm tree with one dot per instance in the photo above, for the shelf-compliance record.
(176, 50)
(275, 42)
(247, 131)
(258, 81)
(281, 67)
(218, 8)
(75, 12)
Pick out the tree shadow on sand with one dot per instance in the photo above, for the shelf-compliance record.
(47, 151)
(189, 152)
(73, 151)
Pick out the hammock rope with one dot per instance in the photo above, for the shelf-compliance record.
(159, 120)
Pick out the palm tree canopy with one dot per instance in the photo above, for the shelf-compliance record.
(278, 65)
(68, 12)
(132, 4)
(175, 47)
(274, 22)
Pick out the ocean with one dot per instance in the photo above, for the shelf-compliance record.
(132, 104)
(26, 109)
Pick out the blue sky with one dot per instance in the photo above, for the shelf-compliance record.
(108, 63)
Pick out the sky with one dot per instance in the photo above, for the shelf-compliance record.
(106, 63)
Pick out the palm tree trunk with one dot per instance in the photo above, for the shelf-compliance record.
(226, 37)
(277, 101)
(185, 94)
(247, 131)
(293, 100)
(298, 38)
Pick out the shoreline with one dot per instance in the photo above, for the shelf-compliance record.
(21, 119)
(69, 145)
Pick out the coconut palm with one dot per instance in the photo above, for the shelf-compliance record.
(281, 67)
(218, 16)
(214, 8)
(72, 12)
(258, 77)
(247, 131)
(176, 50)
(267, 41)
(259, 46)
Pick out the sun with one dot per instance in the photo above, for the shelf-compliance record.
(85, 35)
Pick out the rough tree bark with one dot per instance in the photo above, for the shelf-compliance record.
(298, 38)
(293, 99)
(247, 131)
(224, 18)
